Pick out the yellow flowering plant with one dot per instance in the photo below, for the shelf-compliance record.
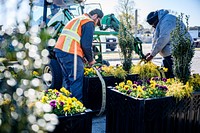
(89, 72)
(194, 81)
(61, 102)
(116, 71)
(146, 70)
(155, 87)
(178, 89)
(139, 89)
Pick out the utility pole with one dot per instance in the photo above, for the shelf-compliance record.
(136, 22)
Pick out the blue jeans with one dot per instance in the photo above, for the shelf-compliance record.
(66, 62)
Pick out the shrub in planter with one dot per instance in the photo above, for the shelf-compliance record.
(182, 50)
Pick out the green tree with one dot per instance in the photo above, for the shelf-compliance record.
(182, 50)
(126, 32)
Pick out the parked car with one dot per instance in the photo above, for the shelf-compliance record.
(197, 43)
(111, 43)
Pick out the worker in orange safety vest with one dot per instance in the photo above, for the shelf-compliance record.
(74, 48)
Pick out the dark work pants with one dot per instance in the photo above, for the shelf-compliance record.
(168, 63)
(66, 62)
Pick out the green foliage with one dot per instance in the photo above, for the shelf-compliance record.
(126, 43)
(116, 71)
(147, 70)
(195, 81)
(20, 89)
(182, 50)
(152, 89)
(126, 33)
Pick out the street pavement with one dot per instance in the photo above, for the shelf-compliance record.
(99, 122)
(114, 57)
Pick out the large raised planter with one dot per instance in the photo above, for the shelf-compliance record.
(78, 123)
(156, 115)
(92, 90)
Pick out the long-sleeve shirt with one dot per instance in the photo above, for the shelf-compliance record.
(87, 39)
(161, 38)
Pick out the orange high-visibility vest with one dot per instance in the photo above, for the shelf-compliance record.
(71, 35)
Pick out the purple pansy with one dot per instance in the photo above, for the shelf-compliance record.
(57, 93)
(61, 103)
(164, 79)
(129, 91)
(53, 103)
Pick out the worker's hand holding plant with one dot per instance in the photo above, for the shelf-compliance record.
(91, 63)
(148, 57)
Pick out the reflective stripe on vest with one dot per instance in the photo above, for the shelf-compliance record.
(72, 33)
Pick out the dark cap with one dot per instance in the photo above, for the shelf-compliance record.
(99, 14)
(152, 17)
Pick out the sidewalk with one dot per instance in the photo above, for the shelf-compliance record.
(99, 124)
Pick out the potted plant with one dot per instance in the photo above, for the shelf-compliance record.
(72, 115)
(153, 106)
(92, 84)
(146, 70)
(182, 50)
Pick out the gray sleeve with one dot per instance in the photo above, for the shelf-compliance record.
(163, 38)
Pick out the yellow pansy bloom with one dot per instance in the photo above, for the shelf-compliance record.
(79, 103)
(44, 99)
(55, 90)
(67, 109)
(139, 88)
(64, 90)
(121, 84)
(69, 101)
(126, 87)
(129, 82)
(74, 99)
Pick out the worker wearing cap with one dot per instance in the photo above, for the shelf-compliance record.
(74, 47)
(164, 23)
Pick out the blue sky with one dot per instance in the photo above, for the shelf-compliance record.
(188, 7)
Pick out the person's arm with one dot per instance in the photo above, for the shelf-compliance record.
(87, 39)
(166, 28)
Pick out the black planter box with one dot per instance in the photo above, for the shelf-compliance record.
(132, 77)
(156, 115)
(78, 123)
(92, 90)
